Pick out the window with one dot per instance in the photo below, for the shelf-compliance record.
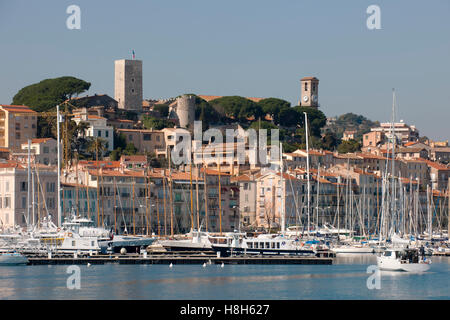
(23, 186)
(306, 86)
(24, 202)
(106, 133)
(7, 202)
(314, 87)
(46, 150)
(147, 137)
(99, 133)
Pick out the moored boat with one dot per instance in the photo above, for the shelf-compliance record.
(12, 258)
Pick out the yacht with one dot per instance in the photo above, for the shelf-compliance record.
(408, 260)
(195, 241)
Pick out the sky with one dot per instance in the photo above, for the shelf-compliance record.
(252, 48)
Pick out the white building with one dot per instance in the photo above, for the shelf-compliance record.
(43, 151)
(97, 128)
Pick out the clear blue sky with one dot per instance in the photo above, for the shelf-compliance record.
(254, 48)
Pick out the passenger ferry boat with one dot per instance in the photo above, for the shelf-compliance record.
(264, 244)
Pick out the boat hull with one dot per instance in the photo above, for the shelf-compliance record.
(396, 265)
(12, 259)
(227, 251)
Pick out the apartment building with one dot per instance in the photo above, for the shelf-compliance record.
(15, 208)
(17, 125)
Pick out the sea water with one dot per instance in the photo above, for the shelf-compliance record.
(346, 279)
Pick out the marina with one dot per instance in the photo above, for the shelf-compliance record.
(345, 279)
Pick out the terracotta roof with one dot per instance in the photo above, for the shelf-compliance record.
(116, 173)
(139, 158)
(310, 78)
(243, 177)
(11, 164)
(93, 163)
(41, 140)
(211, 172)
(436, 165)
(17, 109)
(90, 116)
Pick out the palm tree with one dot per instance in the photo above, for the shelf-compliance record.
(96, 146)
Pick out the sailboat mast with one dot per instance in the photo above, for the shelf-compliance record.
(220, 202)
(192, 198)
(307, 169)
(283, 211)
(29, 183)
(205, 194)
(197, 200)
(58, 144)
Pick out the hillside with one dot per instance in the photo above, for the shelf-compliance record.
(350, 121)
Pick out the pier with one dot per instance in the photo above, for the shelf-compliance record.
(178, 259)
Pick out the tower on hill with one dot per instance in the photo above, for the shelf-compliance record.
(309, 92)
(128, 84)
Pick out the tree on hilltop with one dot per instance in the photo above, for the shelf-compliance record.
(45, 95)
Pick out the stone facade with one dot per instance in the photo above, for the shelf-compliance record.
(128, 84)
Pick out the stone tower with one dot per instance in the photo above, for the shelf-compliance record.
(309, 92)
(186, 111)
(128, 84)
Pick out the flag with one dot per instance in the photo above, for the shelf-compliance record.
(133, 54)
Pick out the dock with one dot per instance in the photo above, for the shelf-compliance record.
(178, 259)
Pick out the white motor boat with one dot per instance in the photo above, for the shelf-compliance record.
(408, 260)
(12, 259)
(196, 241)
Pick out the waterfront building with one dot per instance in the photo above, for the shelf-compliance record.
(15, 209)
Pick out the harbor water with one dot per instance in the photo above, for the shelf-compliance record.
(346, 279)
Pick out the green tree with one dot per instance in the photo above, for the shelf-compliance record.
(152, 123)
(237, 108)
(273, 106)
(288, 117)
(162, 109)
(96, 147)
(330, 141)
(316, 119)
(349, 146)
(130, 149)
(45, 95)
